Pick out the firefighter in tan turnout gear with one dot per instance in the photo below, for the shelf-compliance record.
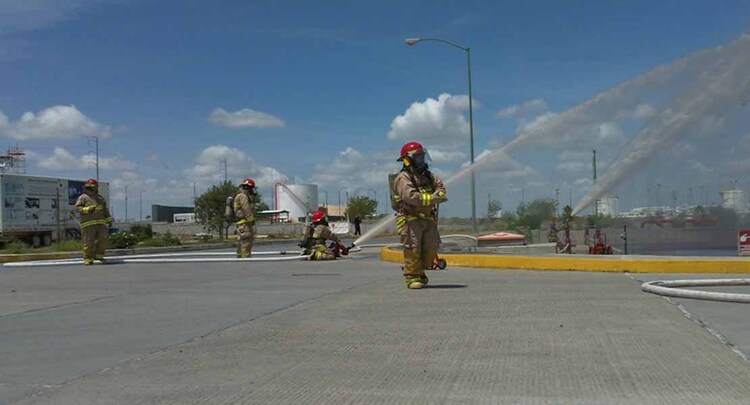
(416, 194)
(244, 211)
(315, 237)
(95, 220)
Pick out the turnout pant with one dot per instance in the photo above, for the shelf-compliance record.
(321, 252)
(245, 249)
(420, 240)
(95, 239)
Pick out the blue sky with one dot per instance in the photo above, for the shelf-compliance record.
(312, 92)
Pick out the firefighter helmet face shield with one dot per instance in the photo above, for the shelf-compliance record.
(421, 160)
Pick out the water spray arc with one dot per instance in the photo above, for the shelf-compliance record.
(712, 91)
(577, 116)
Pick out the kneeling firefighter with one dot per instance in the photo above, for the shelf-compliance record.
(417, 192)
(315, 236)
(244, 212)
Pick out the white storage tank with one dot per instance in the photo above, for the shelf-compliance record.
(734, 200)
(299, 199)
(607, 207)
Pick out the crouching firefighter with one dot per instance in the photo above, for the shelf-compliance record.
(314, 238)
(95, 219)
(244, 213)
(416, 195)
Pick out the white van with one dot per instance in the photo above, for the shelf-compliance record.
(188, 218)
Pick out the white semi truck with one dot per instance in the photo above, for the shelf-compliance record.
(40, 209)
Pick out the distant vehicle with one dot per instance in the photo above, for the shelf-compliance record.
(188, 218)
(40, 210)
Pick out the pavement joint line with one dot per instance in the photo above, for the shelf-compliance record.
(65, 305)
(721, 338)
(619, 264)
(713, 332)
(121, 364)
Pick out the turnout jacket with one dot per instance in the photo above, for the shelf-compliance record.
(321, 233)
(414, 193)
(93, 210)
(244, 209)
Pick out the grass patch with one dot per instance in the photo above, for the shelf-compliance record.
(17, 247)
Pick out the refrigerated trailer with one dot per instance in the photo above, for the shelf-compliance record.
(39, 209)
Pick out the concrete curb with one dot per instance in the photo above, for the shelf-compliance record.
(635, 264)
(27, 257)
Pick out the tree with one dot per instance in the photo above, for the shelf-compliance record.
(494, 208)
(209, 208)
(362, 206)
(536, 212)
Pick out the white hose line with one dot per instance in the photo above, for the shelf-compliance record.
(670, 288)
(563, 250)
(181, 254)
(199, 253)
(74, 262)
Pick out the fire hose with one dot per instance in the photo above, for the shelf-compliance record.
(671, 288)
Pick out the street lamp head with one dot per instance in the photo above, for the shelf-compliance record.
(412, 41)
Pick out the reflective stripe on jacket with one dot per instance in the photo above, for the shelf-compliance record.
(93, 210)
(413, 193)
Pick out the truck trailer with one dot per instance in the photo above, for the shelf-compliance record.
(40, 210)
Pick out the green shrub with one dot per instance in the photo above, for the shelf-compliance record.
(16, 246)
(67, 245)
(160, 241)
(142, 232)
(122, 240)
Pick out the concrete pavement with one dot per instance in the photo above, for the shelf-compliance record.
(350, 332)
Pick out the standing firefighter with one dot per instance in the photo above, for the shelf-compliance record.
(95, 219)
(244, 212)
(315, 236)
(416, 195)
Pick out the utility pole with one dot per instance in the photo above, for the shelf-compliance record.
(95, 140)
(596, 203)
(140, 213)
(126, 203)
(557, 199)
(570, 197)
(224, 161)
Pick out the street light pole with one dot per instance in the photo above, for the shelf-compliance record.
(414, 41)
(126, 203)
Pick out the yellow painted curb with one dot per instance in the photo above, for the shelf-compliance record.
(27, 257)
(635, 264)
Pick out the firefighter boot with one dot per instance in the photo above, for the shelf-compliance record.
(413, 283)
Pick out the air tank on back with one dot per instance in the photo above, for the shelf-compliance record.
(298, 199)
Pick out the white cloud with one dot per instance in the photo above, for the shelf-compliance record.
(536, 123)
(60, 160)
(245, 118)
(27, 15)
(439, 156)
(209, 167)
(531, 107)
(437, 123)
(3, 122)
(63, 161)
(353, 172)
(58, 122)
(640, 111)
(115, 163)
